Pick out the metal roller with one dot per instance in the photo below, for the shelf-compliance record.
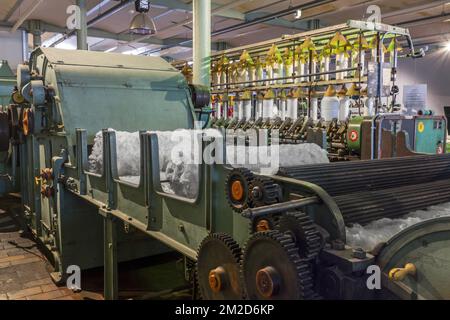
(371, 190)
(347, 177)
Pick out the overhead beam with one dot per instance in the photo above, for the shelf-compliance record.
(301, 24)
(13, 9)
(37, 25)
(27, 13)
(179, 5)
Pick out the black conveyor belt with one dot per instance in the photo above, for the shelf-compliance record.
(370, 190)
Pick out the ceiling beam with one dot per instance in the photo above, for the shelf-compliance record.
(179, 5)
(93, 32)
(13, 9)
(27, 13)
(302, 24)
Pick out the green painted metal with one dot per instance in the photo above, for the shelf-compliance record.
(86, 220)
(93, 91)
(354, 134)
(7, 82)
(430, 135)
(427, 246)
(111, 283)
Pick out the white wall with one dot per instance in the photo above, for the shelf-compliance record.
(433, 70)
(11, 48)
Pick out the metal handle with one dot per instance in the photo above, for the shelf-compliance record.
(398, 274)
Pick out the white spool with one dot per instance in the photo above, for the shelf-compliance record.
(330, 108)
(219, 111)
(244, 76)
(259, 109)
(299, 70)
(291, 108)
(240, 108)
(369, 104)
(247, 106)
(283, 107)
(325, 67)
(314, 70)
(314, 105)
(278, 72)
(288, 71)
(267, 108)
(344, 108)
(235, 109)
(252, 76)
(341, 64)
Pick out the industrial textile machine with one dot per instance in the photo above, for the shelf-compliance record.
(244, 235)
(7, 83)
(335, 87)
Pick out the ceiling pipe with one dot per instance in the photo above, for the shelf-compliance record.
(108, 13)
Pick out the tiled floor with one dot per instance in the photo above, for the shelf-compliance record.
(24, 270)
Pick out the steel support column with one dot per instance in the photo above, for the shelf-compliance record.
(201, 41)
(24, 45)
(110, 273)
(37, 40)
(82, 32)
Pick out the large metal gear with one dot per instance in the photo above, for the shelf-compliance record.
(301, 228)
(273, 270)
(218, 262)
(264, 223)
(237, 188)
(263, 191)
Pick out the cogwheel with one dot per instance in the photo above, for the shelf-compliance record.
(303, 231)
(236, 188)
(217, 271)
(263, 191)
(271, 268)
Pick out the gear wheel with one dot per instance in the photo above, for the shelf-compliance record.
(217, 271)
(236, 189)
(303, 231)
(272, 268)
(265, 223)
(263, 191)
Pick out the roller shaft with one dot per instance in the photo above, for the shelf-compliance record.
(370, 190)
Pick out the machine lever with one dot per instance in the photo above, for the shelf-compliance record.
(398, 274)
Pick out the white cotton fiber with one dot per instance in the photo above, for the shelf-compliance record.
(128, 155)
(178, 158)
(285, 155)
(370, 235)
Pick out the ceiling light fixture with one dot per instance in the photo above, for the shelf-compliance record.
(298, 14)
(142, 24)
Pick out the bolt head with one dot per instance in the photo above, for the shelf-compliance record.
(359, 253)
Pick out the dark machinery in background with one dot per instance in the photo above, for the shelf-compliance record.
(243, 235)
